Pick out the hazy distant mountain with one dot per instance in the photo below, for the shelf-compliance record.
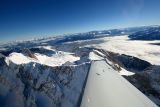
(53, 71)
(152, 33)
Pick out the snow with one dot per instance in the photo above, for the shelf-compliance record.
(105, 88)
(48, 47)
(122, 32)
(125, 72)
(95, 57)
(141, 49)
(55, 60)
(19, 58)
(2, 48)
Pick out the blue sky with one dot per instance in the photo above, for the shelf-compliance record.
(26, 19)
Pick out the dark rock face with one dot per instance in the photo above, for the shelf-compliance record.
(155, 44)
(132, 63)
(148, 82)
(28, 53)
(2, 58)
(42, 51)
(128, 62)
(36, 85)
(11, 88)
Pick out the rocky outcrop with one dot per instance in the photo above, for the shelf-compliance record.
(36, 85)
(28, 53)
(130, 63)
(2, 59)
(148, 82)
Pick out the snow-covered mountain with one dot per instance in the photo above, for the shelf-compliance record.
(152, 33)
(53, 71)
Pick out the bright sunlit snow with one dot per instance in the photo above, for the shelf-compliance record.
(125, 72)
(141, 49)
(55, 60)
(19, 58)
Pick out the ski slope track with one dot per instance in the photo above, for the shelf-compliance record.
(106, 88)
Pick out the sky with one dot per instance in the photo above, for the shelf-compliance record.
(27, 19)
